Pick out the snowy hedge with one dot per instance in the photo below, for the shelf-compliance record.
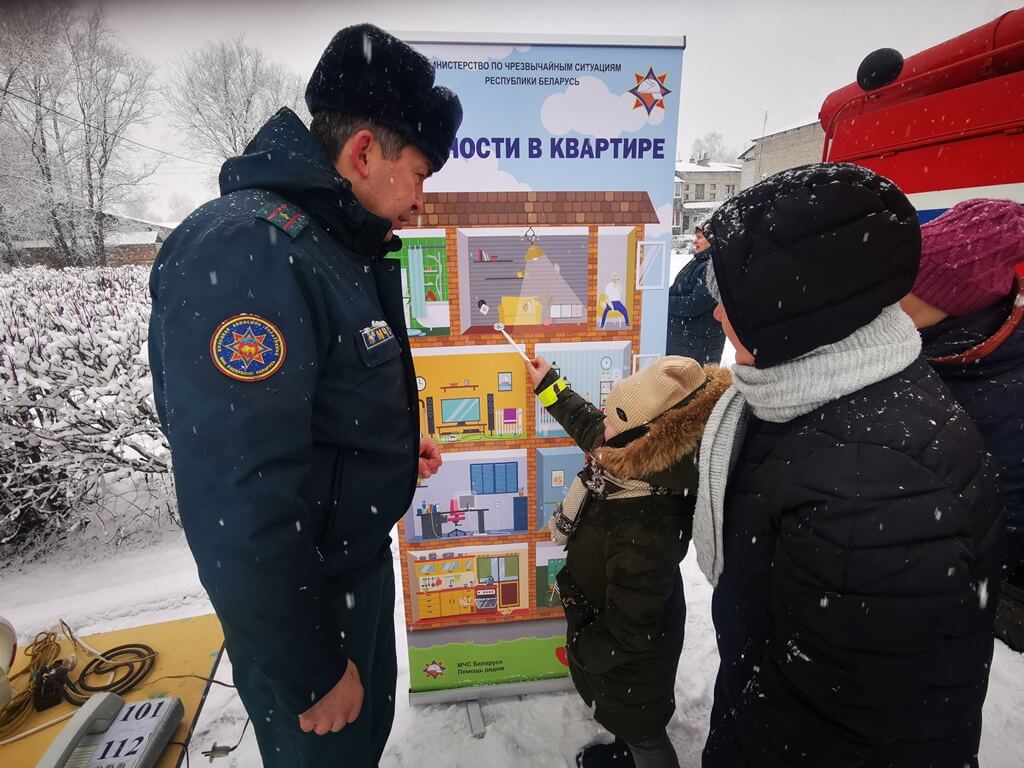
(79, 437)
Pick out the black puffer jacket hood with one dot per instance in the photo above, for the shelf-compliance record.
(810, 255)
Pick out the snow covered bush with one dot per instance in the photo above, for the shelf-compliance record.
(79, 435)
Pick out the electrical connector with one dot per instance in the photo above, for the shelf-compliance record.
(222, 750)
(218, 750)
(49, 689)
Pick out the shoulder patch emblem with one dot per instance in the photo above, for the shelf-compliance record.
(287, 218)
(247, 348)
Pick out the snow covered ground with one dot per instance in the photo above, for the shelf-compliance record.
(96, 587)
(96, 590)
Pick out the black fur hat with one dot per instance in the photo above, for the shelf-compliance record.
(365, 72)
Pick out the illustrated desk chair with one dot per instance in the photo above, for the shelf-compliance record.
(455, 517)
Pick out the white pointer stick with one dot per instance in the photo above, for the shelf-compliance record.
(501, 327)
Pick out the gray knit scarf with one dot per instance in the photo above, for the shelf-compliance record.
(780, 394)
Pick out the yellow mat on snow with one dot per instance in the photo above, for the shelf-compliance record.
(184, 647)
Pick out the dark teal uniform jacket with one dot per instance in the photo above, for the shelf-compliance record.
(284, 383)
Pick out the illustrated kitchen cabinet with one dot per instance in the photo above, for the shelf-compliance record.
(457, 602)
(462, 584)
(429, 605)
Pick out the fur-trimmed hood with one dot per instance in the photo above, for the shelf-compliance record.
(672, 436)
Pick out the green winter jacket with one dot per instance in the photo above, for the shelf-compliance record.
(621, 587)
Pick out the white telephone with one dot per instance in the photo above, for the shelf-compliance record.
(107, 732)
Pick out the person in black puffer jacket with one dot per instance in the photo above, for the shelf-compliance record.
(692, 329)
(857, 540)
(968, 303)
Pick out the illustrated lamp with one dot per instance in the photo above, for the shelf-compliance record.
(534, 252)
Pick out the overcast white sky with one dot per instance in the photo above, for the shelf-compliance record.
(743, 57)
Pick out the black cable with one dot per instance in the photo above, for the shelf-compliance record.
(184, 750)
(247, 720)
(43, 653)
(108, 133)
(135, 659)
(193, 677)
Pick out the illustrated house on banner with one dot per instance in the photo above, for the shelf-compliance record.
(565, 273)
(523, 259)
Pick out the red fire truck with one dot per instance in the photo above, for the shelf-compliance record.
(947, 126)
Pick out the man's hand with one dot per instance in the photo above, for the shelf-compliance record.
(430, 458)
(339, 707)
(536, 369)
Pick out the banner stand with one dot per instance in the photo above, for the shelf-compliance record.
(451, 695)
(477, 726)
(549, 225)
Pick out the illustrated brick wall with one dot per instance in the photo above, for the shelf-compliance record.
(517, 211)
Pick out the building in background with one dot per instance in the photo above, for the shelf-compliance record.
(701, 186)
(781, 150)
(128, 241)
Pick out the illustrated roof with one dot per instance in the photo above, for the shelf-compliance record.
(443, 209)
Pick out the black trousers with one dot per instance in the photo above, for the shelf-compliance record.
(369, 627)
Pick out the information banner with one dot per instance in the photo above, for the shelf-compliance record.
(551, 221)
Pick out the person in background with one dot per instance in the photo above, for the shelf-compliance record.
(848, 510)
(692, 329)
(284, 382)
(968, 302)
(626, 523)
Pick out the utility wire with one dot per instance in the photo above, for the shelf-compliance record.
(102, 130)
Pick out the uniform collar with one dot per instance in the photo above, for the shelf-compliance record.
(284, 158)
(355, 227)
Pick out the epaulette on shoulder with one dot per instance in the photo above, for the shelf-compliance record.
(286, 217)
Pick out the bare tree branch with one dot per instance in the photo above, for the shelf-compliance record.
(71, 96)
(222, 93)
(712, 146)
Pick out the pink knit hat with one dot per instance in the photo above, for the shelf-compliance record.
(968, 255)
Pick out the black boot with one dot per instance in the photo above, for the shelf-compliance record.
(614, 755)
(1009, 624)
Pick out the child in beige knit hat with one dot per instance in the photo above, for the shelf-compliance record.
(626, 523)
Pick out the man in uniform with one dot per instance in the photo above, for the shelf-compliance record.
(284, 383)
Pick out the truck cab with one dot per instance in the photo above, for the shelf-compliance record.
(947, 126)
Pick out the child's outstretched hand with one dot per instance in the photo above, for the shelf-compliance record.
(536, 369)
